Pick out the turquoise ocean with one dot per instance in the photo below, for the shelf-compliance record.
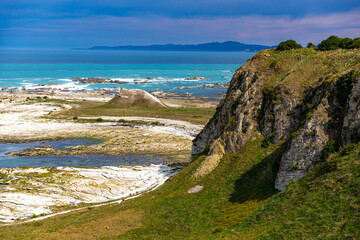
(31, 69)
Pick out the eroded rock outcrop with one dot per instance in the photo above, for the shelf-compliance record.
(305, 148)
(310, 114)
(234, 120)
(351, 123)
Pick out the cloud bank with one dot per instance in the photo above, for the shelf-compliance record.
(82, 29)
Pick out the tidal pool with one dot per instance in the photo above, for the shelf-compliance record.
(93, 160)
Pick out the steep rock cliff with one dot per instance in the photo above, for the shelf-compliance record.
(306, 99)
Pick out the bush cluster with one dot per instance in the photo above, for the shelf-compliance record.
(311, 45)
(334, 42)
(331, 43)
(287, 45)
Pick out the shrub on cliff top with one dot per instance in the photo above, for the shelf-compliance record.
(287, 45)
(356, 43)
(334, 42)
(346, 43)
(311, 45)
(331, 43)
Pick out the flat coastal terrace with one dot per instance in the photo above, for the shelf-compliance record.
(29, 192)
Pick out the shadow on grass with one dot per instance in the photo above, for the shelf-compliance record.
(258, 183)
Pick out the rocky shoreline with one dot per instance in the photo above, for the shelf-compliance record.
(31, 192)
(55, 89)
(36, 192)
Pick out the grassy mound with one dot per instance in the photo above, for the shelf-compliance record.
(135, 98)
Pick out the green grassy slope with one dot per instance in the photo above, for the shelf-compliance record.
(324, 204)
(230, 194)
(198, 115)
(238, 200)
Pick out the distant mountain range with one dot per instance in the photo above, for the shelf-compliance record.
(229, 46)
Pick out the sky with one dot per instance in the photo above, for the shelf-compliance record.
(76, 24)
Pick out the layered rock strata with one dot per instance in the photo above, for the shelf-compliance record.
(310, 120)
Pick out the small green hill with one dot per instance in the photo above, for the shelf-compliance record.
(135, 98)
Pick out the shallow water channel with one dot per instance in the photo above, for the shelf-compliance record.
(93, 160)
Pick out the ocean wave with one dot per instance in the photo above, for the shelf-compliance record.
(27, 84)
(65, 86)
(155, 79)
(225, 71)
(138, 79)
(65, 80)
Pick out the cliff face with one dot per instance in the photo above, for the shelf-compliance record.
(305, 99)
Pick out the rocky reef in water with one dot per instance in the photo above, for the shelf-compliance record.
(96, 80)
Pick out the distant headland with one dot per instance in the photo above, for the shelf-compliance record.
(228, 46)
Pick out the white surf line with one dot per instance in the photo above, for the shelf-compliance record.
(118, 201)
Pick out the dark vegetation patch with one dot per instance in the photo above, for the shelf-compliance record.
(344, 86)
(341, 92)
(331, 43)
(311, 45)
(288, 45)
(334, 42)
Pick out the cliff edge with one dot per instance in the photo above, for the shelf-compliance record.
(307, 100)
